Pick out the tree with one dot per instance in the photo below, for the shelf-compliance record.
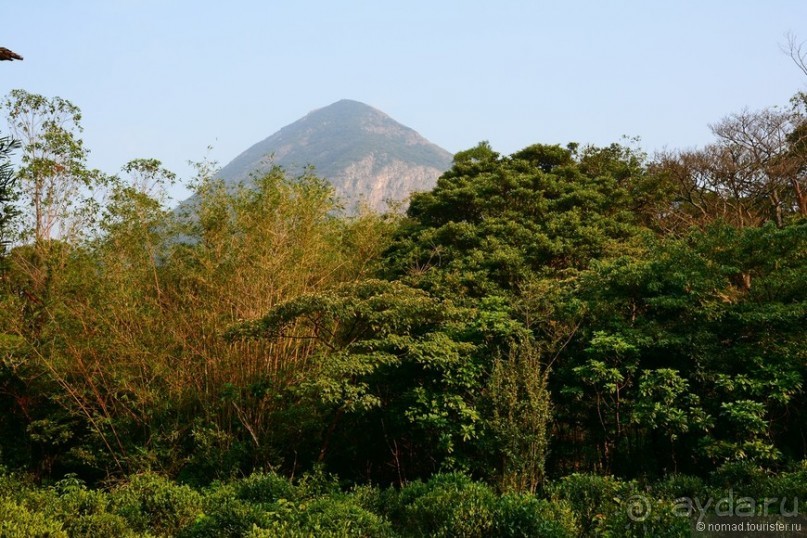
(410, 384)
(681, 362)
(53, 176)
(755, 171)
(520, 413)
(760, 145)
(511, 230)
(492, 223)
(132, 335)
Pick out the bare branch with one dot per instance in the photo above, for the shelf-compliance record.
(796, 50)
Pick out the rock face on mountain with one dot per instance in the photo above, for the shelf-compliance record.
(367, 156)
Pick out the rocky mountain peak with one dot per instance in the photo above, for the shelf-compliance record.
(365, 154)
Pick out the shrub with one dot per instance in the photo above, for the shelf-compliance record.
(527, 516)
(83, 512)
(16, 521)
(216, 454)
(373, 499)
(592, 497)
(337, 515)
(12, 484)
(743, 477)
(280, 530)
(76, 500)
(677, 486)
(787, 485)
(645, 516)
(20, 489)
(265, 488)
(316, 483)
(341, 516)
(229, 518)
(152, 503)
(101, 525)
(607, 506)
(448, 505)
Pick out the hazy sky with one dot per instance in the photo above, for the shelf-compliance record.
(166, 79)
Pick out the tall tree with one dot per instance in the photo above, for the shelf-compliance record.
(754, 172)
(53, 175)
(682, 360)
(409, 383)
(492, 223)
(760, 145)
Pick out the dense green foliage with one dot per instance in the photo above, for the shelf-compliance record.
(689, 360)
(269, 505)
(539, 340)
(396, 367)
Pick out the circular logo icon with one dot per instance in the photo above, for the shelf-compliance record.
(638, 508)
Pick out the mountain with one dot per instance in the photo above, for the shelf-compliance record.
(364, 153)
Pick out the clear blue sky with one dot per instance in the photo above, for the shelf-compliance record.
(166, 79)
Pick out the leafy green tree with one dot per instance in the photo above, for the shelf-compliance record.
(691, 349)
(403, 380)
(519, 230)
(558, 234)
(54, 181)
(492, 222)
(53, 177)
(520, 413)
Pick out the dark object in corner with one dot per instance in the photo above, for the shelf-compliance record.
(6, 54)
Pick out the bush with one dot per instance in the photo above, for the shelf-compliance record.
(216, 454)
(337, 515)
(607, 506)
(16, 521)
(12, 485)
(317, 483)
(341, 516)
(454, 505)
(228, 518)
(527, 516)
(787, 485)
(266, 504)
(84, 512)
(101, 525)
(281, 530)
(743, 477)
(448, 505)
(677, 486)
(75, 500)
(21, 490)
(266, 488)
(372, 498)
(152, 503)
(592, 497)
(645, 516)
